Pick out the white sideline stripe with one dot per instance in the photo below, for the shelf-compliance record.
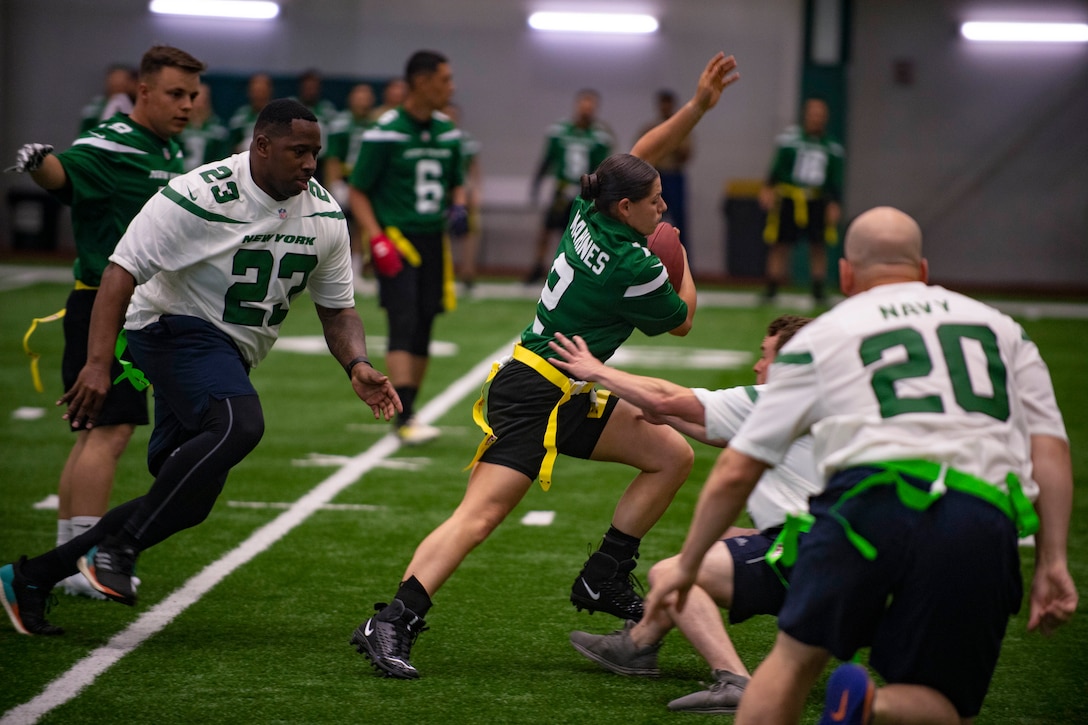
(538, 518)
(287, 505)
(83, 673)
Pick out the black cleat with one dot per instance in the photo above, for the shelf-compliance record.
(26, 603)
(607, 585)
(387, 638)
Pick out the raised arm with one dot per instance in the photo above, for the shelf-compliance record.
(667, 136)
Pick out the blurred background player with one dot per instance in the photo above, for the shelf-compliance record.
(106, 176)
(671, 169)
(802, 198)
(469, 242)
(118, 96)
(205, 139)
(406, 188)
(258, 93)
(310, 95)
(573, 147)
(394, 93)
(345, 140)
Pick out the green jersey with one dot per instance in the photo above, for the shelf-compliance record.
(603, 284)
(408, 169)
(205, 143)
(810, 162)
(240, 128)
(112, 170)
(346, 138)
(570, 151)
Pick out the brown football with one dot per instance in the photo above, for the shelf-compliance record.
(665, 243)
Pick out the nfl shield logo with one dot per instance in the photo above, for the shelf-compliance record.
(283, 213)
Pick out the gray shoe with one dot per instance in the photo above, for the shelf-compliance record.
(723, 696)
(616, 652)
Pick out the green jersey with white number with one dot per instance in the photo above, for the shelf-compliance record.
(603, 285)
(214, 245)
(570, 151)
(814, 163)
(408, 170)
(112, 170)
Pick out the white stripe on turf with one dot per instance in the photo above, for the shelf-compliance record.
(83, 673)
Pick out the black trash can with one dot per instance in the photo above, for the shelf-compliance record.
(745, 251)
(34, 216)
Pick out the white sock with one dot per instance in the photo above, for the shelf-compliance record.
(82, 524)
(64, 531)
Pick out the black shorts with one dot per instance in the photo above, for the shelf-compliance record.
(557, 216)
(518, 404)
(789, 232)
(757, 589)
(414, 297)
(933, 604)
(124, 404)
(189, 361)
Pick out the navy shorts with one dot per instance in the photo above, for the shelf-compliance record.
(757, 589)
(933, 604)
(124, 404)
(519, 403)
(189, 361)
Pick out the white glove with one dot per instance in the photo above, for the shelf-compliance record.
(30, 157)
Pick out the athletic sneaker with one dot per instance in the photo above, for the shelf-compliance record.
(607, 585)
(387, 638)
(78, 586)
(617, 652)
(414, 433)
(723, 695)
(110, 568)
(849, 696)
(26, 603)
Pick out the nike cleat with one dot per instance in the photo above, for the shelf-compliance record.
(721, 697)
(607, 585)
(849, 698)
(110, 568)
(387, 638)
(26, 604)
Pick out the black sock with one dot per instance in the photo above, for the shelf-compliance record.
(408, 402)
(414, 596)
(818, 289)
(772, 289)
(619, 546)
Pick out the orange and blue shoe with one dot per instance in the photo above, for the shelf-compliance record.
(110, 567)
(850, 694)
(25, 603)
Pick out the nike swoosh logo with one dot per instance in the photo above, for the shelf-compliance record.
(840, 714)
(367, 629)
(193, 197)
(592, 594)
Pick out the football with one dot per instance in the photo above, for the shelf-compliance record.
(665, 243)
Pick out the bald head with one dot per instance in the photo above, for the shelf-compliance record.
(883, 245)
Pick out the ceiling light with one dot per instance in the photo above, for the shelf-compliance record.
(593, 22)
(1026, 32)
(245, 9)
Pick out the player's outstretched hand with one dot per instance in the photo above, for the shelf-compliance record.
(719, 74)
(1053, 598)
(85, 398)
(374, 389)
(672, 582)
(574, 359)
(30, 156)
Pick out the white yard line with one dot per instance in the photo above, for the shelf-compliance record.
(83, 673)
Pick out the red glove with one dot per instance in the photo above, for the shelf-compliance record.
(387, 261)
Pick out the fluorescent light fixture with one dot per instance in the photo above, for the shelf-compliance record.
(1026, 32)
(594, 22)
(244, 9)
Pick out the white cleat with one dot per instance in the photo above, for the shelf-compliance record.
(78, 586)
(414, 433)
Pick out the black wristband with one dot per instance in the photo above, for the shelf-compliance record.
(356, 361)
